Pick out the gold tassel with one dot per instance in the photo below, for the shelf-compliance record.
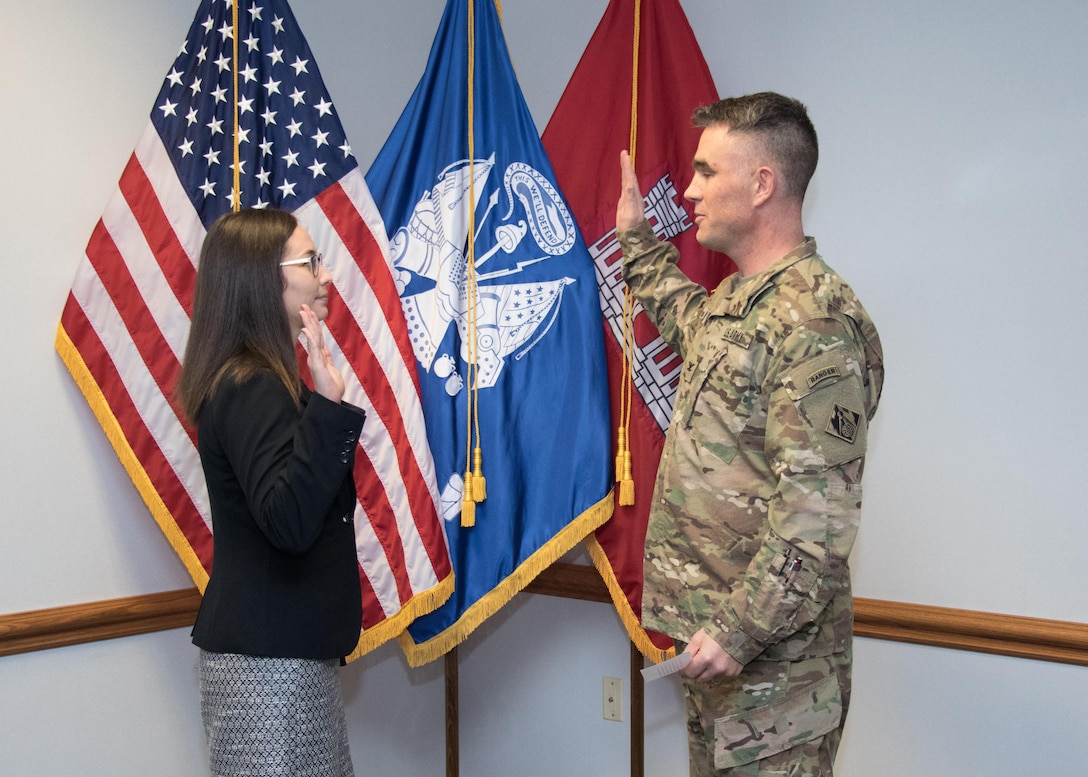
(479, 482)
(627, 485)
(468, 507)
(621, 448)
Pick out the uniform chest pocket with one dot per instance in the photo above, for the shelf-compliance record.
(719, 399)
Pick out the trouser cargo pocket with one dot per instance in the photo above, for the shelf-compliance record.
(802, 715)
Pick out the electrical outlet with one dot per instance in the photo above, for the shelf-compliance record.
(613, 698)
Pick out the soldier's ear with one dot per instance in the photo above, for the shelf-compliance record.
(765, 182)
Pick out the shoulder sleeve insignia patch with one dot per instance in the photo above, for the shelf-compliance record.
(843, 423)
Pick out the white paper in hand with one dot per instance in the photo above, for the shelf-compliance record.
(665, 668)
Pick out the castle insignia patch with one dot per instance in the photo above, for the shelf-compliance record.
(843, 423)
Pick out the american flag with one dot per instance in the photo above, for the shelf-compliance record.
(243, 114)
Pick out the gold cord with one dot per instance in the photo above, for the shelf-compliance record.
(236, 203)
(623, 435)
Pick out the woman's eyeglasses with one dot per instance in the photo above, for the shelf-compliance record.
(314, 260)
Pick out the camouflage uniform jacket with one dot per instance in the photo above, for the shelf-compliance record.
(758, 492)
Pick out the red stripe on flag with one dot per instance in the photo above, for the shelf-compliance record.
(356, 235)
(173, 261)
(161, 474)
(142, 327)
(373, 613)
(359, 241)
(369, 484)
(363, 472)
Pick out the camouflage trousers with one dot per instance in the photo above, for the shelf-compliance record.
(778, 718)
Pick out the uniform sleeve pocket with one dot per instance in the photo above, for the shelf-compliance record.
(830, 399)
(801, 716)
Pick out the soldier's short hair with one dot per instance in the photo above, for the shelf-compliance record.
(782, 126)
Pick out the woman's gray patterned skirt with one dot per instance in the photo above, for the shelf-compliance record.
(273, 717)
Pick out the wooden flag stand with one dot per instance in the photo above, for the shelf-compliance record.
(453, 751)
(571, 581)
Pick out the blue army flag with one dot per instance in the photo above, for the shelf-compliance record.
(243, 118)
(501, 301)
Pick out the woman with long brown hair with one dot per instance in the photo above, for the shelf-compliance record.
(282, 605)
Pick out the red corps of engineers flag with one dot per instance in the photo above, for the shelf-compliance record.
(124, 326)
(590, 126)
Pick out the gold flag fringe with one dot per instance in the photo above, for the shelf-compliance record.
(575, 532)
(393, 626)
(631, 620)
(136, 472)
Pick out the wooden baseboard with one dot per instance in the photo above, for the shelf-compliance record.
(1008, 635)
(24, 632)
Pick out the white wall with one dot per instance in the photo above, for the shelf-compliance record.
(951, 194)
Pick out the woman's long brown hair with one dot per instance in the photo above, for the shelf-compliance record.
(239, 324)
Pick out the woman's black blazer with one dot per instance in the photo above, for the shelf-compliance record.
(285, 579)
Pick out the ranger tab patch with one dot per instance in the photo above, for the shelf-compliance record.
(843, 423)
(831, 371)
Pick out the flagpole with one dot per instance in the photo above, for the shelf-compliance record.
(453, 750)
(638, 717)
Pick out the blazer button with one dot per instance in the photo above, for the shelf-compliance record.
(346, 518)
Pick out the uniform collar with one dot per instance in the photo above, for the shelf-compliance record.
(735, 295)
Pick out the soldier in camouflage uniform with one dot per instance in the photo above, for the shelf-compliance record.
(758, 494)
